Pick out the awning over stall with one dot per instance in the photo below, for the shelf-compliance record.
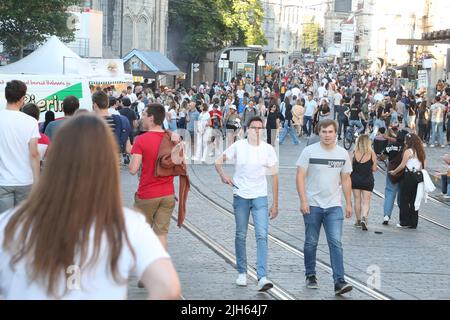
(149, 63)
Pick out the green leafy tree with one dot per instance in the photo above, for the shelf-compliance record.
(197, 27)
(246, 17)
(23, 23)
(312, 38)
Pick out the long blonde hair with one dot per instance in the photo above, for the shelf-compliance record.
(363, 144)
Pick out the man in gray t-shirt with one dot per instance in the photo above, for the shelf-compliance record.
(322, 169)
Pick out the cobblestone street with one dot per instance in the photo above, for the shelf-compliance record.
(412, 264)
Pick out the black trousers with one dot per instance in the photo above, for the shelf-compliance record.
(423, 131)
(408, 190)
(269, 136)
(342, 125)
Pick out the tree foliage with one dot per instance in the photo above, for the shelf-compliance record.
(24, 23)
(197, 27)
(312, 37)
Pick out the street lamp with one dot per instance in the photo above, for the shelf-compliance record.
(121, 29)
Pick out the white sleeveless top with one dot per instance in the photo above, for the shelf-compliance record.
(414, 163)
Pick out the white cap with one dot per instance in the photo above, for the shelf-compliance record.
(233, 107)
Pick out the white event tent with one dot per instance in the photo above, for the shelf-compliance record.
(55, 58)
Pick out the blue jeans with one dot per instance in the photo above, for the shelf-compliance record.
(289, 129)
(332, 220)
(307, 124)
(437, 128)
(356, 123)
(390, 192)
(260, 213)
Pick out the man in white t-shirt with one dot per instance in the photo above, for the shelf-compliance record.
(19, 154)
(378, 97)
(254, 159)
(310, 109)
(337, 102)
(437, 123)
(322, 169)
(132, 96)
(240, 93)
(296, 92)
(113, 105)
(321, 91)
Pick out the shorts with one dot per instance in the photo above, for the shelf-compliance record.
(157, 211)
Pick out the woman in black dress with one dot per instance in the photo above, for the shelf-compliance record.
(273, 123)
(364, 165)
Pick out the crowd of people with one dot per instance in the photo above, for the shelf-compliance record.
(54, 220)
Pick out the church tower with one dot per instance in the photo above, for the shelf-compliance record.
(144, 22)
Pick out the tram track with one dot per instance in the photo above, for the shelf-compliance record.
(424, 217)
(380, 195)
(277, 292)
(357, 284)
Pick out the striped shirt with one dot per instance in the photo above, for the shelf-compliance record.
(111, 123)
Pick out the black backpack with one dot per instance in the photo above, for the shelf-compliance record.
(133, 107)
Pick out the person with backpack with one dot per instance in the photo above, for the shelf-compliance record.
(288, 126)
(131, 116)
(118, 123)
(155, 196)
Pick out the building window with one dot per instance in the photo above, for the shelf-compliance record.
(127, 34)
(343, 5)
(337, 37)
(143, 34)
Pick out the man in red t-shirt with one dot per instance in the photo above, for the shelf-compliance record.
(156, 195)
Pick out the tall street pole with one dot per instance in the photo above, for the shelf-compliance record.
(121, 29)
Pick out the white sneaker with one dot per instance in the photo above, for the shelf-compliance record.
(431, 145)
(400, 226)
(264, 284)
(442, 145)
(241, 280)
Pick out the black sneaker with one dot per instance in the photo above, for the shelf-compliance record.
(341, 287)
(364, 224)
(311, 282)
(126, 159)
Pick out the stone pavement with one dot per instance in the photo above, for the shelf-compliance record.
(413, 264)
(203, 274)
